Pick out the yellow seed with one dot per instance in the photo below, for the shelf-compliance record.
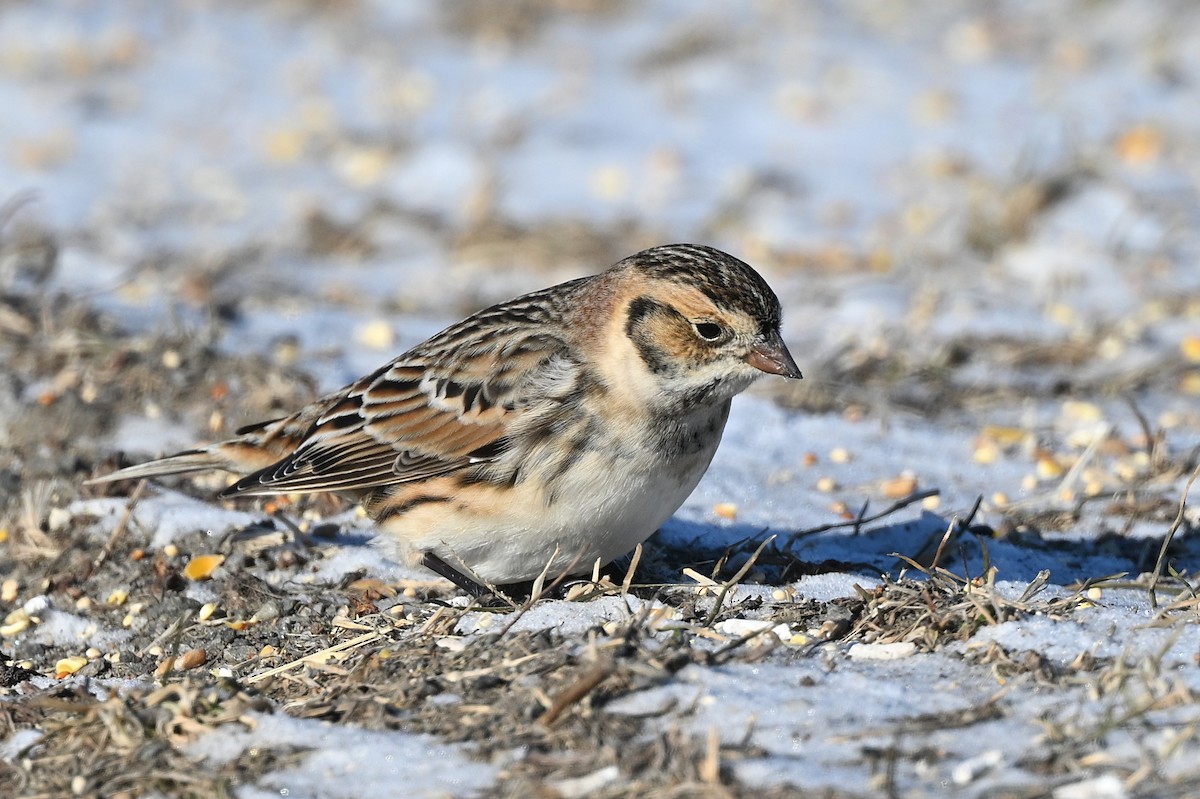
(16, 622)
(1190, 347)
(799, 639)
(1189, 383)
(285, 146)
(206, 611)
(901, 486)
(1004, 436)
(364, 166)
(68, 666)
(1062, 314)
(840, 455)
(192, 658)
(1048, 468)
(134, 610)
(1095, 592)
(986, 452)
(726, 510)
(83, 603)
(117, 597)
(92, 652)
(827, 485)
(1082, 411)
(170, 551)
(201, 567)
(999, 499)
(171, 359)
(610, 182)
(266, 651)
(931, 503)
(378, 335)
(1139, 145)
(8, 590)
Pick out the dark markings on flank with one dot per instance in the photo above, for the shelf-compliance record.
(405, 507)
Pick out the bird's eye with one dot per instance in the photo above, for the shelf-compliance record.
(709, 331)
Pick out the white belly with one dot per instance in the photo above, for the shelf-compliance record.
(603, 507)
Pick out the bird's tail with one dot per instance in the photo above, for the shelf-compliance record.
(192, 460)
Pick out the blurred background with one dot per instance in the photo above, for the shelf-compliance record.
(970, 210)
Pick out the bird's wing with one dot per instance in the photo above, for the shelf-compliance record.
(446, 405)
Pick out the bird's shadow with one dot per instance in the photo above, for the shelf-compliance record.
(720, 550)
(878, 550)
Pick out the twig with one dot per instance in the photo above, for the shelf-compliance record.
(737, 578)
(633, 564)
(119, 530)
(333, 650)
(899, 504)
(1162, 551)
(719, 655)
(1153, 439)
(1072, 475)
(536, 593)
(587, 683)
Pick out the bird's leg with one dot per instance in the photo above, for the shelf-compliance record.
(440, 567)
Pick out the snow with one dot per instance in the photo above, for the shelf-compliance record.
(346, 762)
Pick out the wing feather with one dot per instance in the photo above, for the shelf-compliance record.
(444, 406)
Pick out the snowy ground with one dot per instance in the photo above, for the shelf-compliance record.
(983, 222)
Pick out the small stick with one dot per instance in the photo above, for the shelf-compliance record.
(119, 530)
(633, 564)
(737, 578)
(333, 650)
(575, 692)
(536, 593)
(1162, 551)
(899, 504)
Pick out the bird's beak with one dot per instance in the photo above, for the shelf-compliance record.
(771, 356)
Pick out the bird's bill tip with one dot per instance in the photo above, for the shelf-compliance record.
(771, 356)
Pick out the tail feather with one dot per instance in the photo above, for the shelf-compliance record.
(192, 460)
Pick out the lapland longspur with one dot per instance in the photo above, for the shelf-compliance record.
(544, 433)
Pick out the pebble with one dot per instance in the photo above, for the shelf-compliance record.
(737, 628)
(58, 519)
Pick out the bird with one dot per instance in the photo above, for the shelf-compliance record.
(538, 436)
